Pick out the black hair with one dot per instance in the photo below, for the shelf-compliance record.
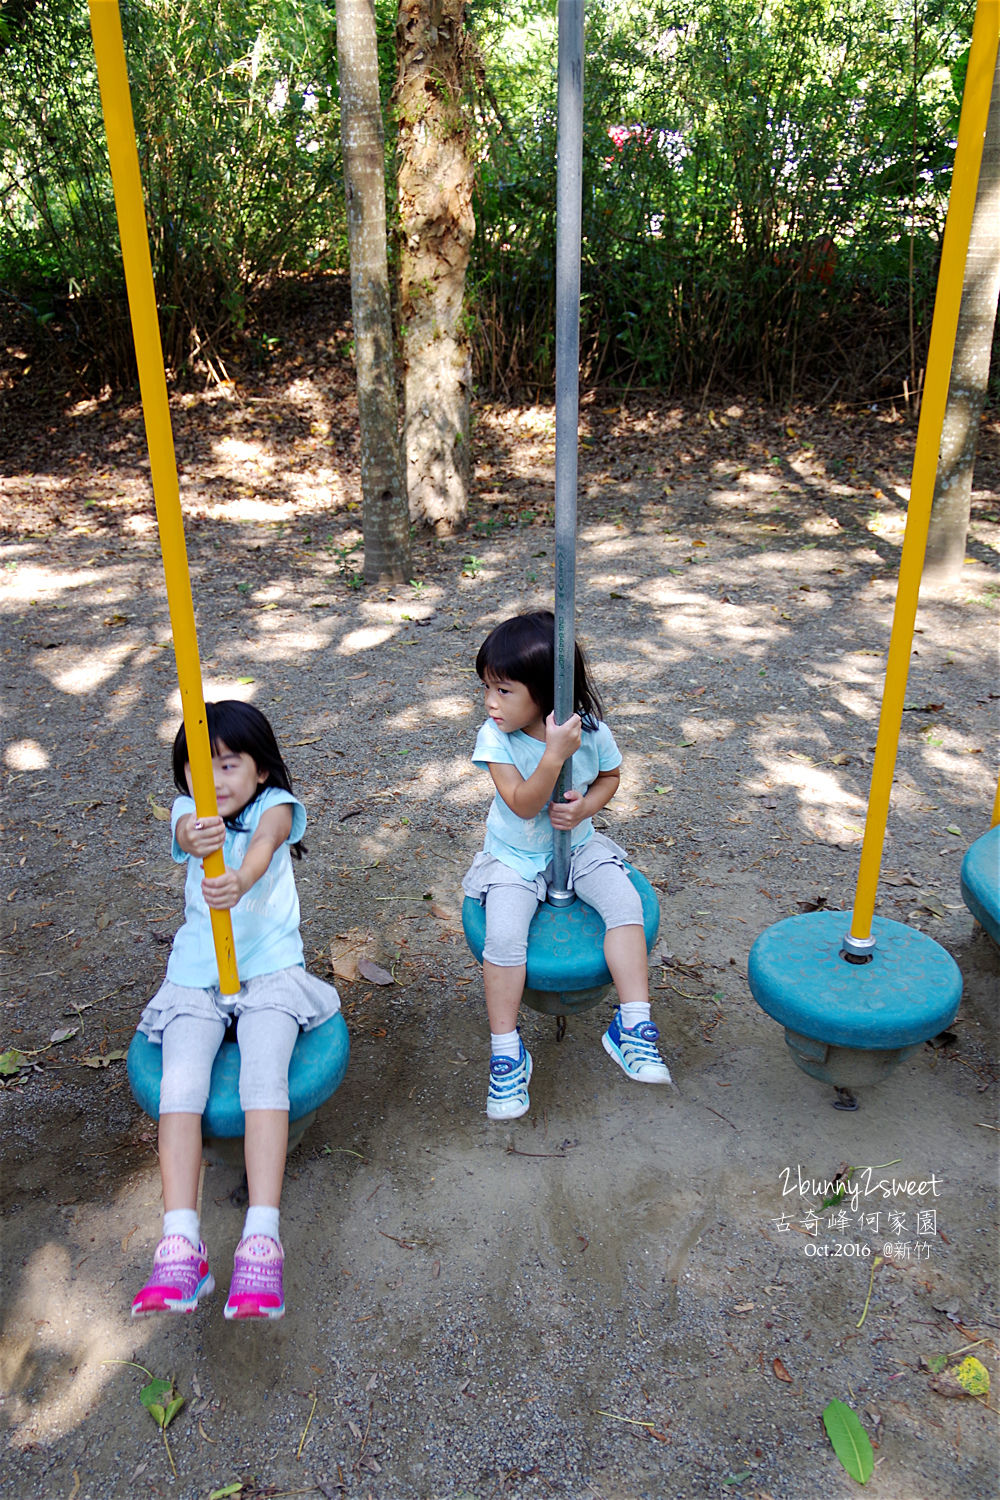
(243, 729)
(522, 649)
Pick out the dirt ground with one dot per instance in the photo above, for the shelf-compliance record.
(628, 1293)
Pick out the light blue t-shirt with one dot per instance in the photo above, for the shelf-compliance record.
(265, 919)
(525, 844)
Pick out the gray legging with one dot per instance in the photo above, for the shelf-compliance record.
(266, 1039)
(510, 908)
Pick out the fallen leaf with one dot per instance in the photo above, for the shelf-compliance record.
(946, 1384)
(780, 1371)
(64, 1033)
(973, 1376)
(849, 1440)
(346, 968)
(162, 813)
(373, 973)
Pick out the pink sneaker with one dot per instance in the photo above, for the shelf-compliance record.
(180, 1277)
(257, 1289)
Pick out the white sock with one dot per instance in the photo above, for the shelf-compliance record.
(262, 1220)
(505, 1044)
(183, 1221)
(634, 1013)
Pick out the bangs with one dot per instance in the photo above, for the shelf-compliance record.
(522, 649)
(502, 659)
(242, 729)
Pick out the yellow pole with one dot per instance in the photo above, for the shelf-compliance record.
(105, 25)
(958, 226)
(996, 808)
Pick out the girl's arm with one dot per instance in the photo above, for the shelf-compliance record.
(223, 891)
(527, 797)
(572, 811)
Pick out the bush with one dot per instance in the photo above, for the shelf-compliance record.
(756, 176)
(238, 130)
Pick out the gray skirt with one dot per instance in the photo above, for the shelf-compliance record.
(294, 991)
(487, 870)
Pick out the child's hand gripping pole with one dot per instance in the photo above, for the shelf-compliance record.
(205, 805)
(105, 25)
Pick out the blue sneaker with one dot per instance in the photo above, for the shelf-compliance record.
(635, 1051)
(507, 1098)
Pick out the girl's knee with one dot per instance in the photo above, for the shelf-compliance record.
(264, 1093)
(184, 1093)
(267, 1040)
(509, 910)
(188, 1046)
(622, 909)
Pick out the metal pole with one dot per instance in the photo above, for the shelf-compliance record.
(858, 942)
(569, 197)
(116, 101)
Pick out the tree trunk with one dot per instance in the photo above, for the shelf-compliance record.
(434, 178)
(952, 505)
(385, 519)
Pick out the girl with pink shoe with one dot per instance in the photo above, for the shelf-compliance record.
(259, 828)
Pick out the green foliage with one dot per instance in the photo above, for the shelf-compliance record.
(765, 182)
(236, 118)
(850, 1441)
(756, 174)
(161, 1401)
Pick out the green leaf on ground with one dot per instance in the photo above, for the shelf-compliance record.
(850, 1441)
(152, 1396)
(161, 1401)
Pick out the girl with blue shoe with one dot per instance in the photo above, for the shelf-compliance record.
(523, 748)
